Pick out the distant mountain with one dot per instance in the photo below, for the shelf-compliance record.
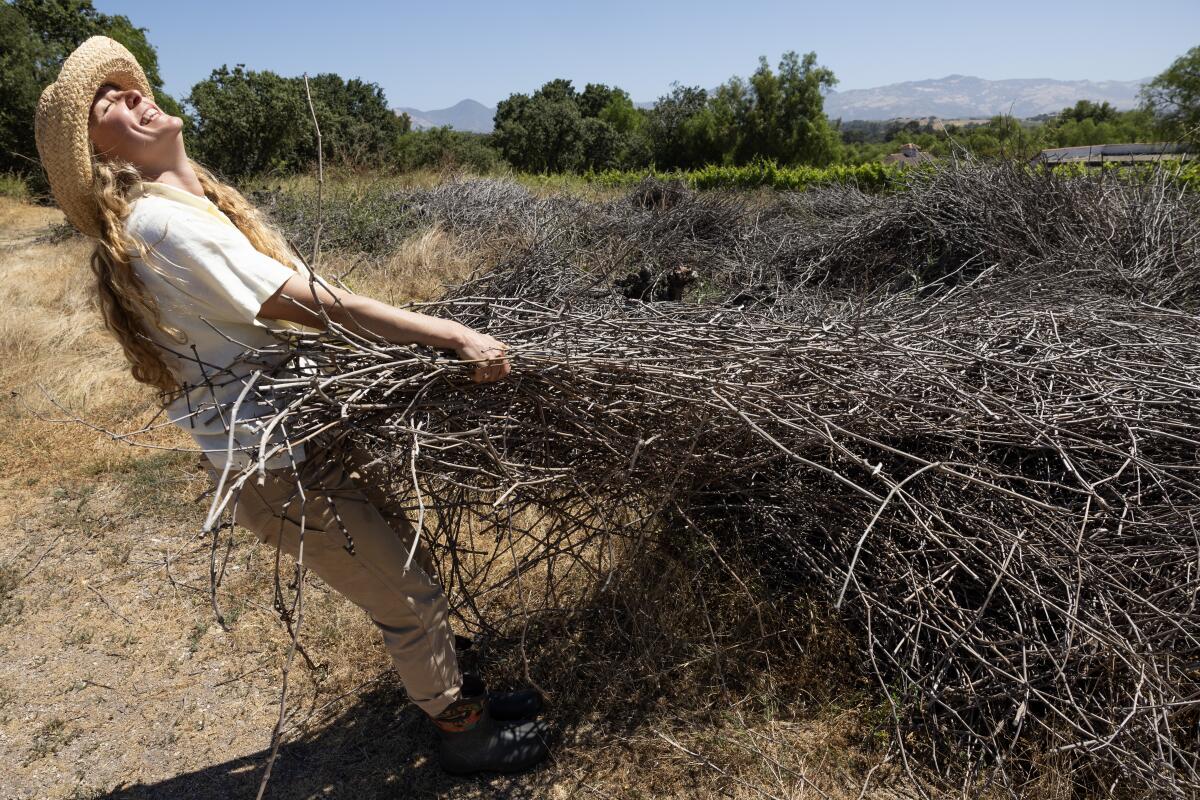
(966, 96)
(467, 115)
(951, 97)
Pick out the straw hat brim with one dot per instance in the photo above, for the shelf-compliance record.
(61, 123)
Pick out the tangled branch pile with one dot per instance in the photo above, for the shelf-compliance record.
(967, 413)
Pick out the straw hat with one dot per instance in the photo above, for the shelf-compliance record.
(61, 123)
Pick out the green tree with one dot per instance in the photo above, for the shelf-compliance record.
(248, 122)
(542, 132)
(784, 113)
(613, 135)
(36, 36)
(610, 128)
(602, 146)
(557, 129)
(1104, 128)
(593, 99)
(678, 133)
(1086, 109)
(357, 127)
(620, 113)
(21, 58)
(771, 115)
(1174, 96)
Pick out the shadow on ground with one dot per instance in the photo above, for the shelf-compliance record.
(632, 657)
(379, 747)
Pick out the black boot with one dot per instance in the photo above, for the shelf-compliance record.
(520, 704)
(473, 741)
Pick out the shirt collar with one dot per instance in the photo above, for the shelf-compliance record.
(178, 195)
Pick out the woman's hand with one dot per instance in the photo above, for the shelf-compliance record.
(489, 352)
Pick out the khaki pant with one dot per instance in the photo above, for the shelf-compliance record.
(408, 606)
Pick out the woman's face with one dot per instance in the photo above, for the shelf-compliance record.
(124, 124)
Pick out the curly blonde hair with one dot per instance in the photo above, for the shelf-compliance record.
(129, 309)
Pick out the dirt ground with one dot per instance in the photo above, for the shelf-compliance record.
(117, 682)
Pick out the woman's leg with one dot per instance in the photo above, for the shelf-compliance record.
(408, 606)
(374, 477)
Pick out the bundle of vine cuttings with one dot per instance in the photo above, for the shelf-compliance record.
(967, 414)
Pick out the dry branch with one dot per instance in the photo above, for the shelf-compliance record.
(969, 412)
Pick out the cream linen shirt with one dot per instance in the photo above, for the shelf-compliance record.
(210, 284)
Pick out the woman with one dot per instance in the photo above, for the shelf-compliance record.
(189, 278)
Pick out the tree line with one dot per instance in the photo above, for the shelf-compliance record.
(245, 122)
(774, 114)
(1085, 123)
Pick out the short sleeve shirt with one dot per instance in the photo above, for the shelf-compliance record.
(210, 283)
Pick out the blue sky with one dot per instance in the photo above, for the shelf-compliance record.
(432, 54)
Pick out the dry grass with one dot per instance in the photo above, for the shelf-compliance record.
(541, 185)
(115, 681)
(418, 270)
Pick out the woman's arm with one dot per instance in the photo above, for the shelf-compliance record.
(294, 302)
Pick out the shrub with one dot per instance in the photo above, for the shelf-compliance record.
(13, 186)
(1184, 174)
(871, 177)
(444, 148)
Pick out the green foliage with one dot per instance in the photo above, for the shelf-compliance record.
(361, 215)
(774, 115)
(357, 127)
(784, 113)
(1174, 97)
(13, 186)
(1189, 176)
(1186, 174)
(682, 129)
(620, 113)
(601, 144)
(779, 116)
(35, 37)
(22, 74)
(621, 140)
(557, 129)
(1087, 110)
(763, 174)
(1119, 126)
(594, 98)
(1085, 123)
(445, 149)
(247, 122)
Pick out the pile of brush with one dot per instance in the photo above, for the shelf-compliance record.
(967, 413)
